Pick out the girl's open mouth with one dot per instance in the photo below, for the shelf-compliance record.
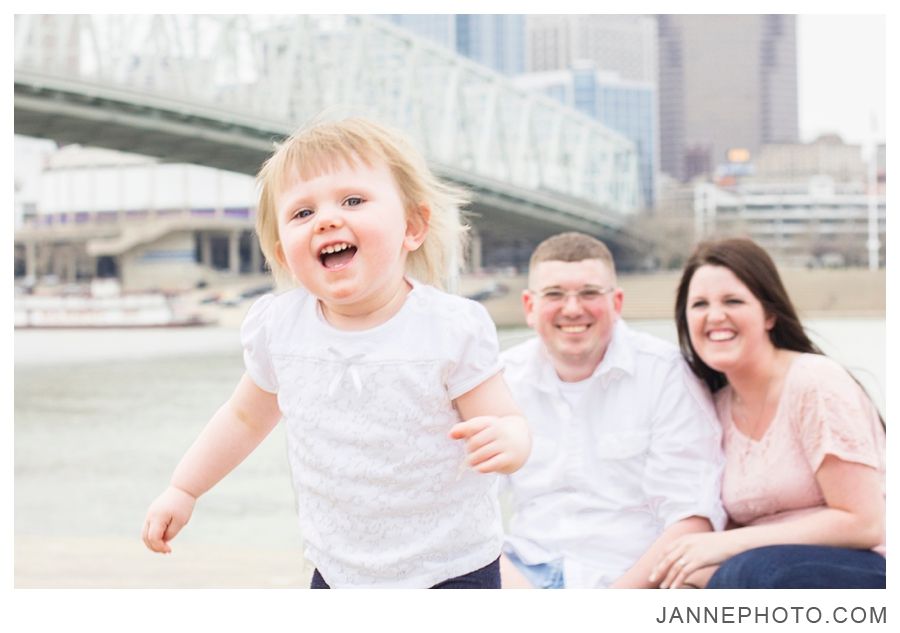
(336, 256)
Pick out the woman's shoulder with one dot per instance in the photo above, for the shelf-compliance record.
(817, 371)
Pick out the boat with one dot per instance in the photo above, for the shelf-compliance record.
(104, 307)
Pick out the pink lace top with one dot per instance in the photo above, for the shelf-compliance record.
(822, 411)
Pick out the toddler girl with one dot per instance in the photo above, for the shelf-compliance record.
(396, 411)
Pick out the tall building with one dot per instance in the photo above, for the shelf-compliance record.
(625, 106)
(624, 44)
(496, 41)
(725, 82)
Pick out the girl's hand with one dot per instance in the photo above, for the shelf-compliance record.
(165, 517)
(494, 444)
(691, 552)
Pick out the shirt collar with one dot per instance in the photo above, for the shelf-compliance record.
(619, 359)
(619, 356)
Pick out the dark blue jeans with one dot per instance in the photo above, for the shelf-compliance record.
(801, 567)
(488, 577)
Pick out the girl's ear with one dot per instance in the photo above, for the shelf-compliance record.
(416, 226)
(279, 254)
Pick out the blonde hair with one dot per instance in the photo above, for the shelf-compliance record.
(324, 146)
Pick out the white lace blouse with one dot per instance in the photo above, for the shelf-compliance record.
(382, 501)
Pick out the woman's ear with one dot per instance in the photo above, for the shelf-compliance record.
(416, 226)
(770, 322)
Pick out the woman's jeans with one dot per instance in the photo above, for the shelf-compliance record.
(488, 577)
(801, 567)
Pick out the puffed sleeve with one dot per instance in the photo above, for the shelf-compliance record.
(478, 355)
(833, 415)
(683, 471)
(255, 340)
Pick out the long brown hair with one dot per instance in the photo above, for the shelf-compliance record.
(752, 265)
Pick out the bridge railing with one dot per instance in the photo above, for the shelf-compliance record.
(288, 69)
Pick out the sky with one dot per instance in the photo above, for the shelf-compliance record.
(841, 75)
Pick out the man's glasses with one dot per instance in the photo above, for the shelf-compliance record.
(586, 295)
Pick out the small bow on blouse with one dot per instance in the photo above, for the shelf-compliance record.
(347, 368)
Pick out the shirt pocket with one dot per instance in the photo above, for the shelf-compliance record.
(617, 466)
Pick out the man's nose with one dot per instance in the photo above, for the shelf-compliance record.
(571, 304)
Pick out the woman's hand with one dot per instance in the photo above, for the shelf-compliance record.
(691, 552)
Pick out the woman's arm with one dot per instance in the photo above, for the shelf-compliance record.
(853, 517)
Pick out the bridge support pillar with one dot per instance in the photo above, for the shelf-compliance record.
(70, 263)
(474, 251)
(255, 255)
(206, 249)
(31, 260)
(234, 252)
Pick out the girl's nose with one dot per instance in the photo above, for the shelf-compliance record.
(328, 219)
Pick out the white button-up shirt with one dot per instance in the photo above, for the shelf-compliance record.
(637, 451)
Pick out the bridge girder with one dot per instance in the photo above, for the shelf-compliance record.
(220, 91)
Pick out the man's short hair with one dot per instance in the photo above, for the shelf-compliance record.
(571, 247)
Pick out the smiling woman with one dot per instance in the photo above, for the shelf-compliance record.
(804, 444)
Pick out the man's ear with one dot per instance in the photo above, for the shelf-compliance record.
(416, 226)
(618, 300)
(529, 307)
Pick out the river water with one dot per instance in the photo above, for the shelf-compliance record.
(102, 417)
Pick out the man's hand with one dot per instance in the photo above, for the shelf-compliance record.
(494, 444)
(165, 517)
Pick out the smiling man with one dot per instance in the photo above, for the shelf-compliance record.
(626, 448)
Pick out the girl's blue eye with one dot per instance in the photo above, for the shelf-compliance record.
(303, 213)
(353, 201)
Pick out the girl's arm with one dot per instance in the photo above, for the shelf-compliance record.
(497, 436)
(233, 432)
(852, 517)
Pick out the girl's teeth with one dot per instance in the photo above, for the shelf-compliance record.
(336, 248)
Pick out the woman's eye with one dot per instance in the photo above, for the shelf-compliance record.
(698, 304)
(353, 201)
(733, 301)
